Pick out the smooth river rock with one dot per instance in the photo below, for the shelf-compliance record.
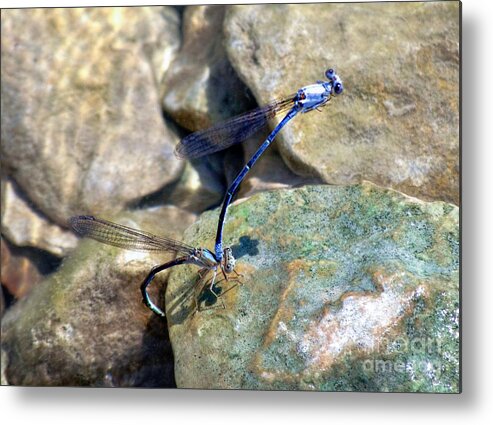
(201, 87)
(82, 130)
(396, 124)
(26, 227)
(86, 325)
(350, 288)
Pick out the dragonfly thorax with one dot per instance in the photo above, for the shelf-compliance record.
(203, 258)
(313, 96)
(317, 95)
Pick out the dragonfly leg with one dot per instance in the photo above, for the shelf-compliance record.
(238, 275)
(155, 270)
(211, 289)
(226, 279)
(199, 286)
(238, 282)
(213, 280)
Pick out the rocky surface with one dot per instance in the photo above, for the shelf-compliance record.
(199, 188)
(344, 288)
(269, 173)
(352, 288)
(19, 271)
(397, 123)
(26, 227)
(86, 325)
(81, 121)
(201, 87)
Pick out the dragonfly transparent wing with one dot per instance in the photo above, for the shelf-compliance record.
(125, 237)
(230, 132)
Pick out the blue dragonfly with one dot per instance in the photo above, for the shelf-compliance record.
(239, 128)
(136, 240)
(196, 145)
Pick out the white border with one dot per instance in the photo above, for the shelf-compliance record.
(143, 407)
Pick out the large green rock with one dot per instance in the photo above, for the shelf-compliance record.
(350, 288)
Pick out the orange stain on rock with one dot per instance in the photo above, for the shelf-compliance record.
(362, 323)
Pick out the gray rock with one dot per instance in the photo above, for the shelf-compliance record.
(198, 188)
(81, 125)
(201, 87)
(396, 124)
(350, 288)
(86, 325)
(26, 227)
(3, 378)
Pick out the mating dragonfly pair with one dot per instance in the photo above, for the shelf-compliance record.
(200, 143)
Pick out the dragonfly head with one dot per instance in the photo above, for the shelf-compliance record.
(317, 95)
(335, 81)
(229, 261)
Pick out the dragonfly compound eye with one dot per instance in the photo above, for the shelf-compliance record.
(338, 88)
(330, 73)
